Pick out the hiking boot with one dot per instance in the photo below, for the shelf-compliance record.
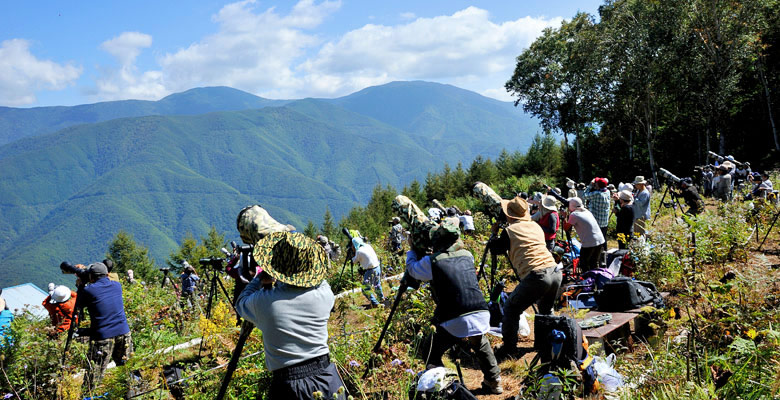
(492, 387)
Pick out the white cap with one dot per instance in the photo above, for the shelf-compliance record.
(60, 294)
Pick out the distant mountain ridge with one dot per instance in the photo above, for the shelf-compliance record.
(18, 123)
(161, 176)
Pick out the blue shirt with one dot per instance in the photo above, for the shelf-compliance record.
(188, 282)
(6, 316)
(642, 205)
(103, 300)
(468, 325)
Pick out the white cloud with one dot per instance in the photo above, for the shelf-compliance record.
(126, 82)
(464, 46)
(251, 51)
(408, 15)
(22, 74)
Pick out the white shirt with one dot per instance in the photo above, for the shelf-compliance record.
(468, 222)
(366, 257)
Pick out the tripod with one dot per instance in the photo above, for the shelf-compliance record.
(406, 282)
(214, 282)
(674, 200)
(768, 230)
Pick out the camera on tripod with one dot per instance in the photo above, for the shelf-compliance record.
(80, 271)
(670, 176)
(215, 263)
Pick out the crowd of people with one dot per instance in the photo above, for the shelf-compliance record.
(290, 301)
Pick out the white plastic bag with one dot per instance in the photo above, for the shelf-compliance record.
(523, 328)
(610, 379)
(432, 380)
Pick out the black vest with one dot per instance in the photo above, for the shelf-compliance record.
(455, 286)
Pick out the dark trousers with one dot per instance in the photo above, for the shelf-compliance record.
(443, 341)
(589, 258)
(604, 233)
(538, 286)
(302, 380)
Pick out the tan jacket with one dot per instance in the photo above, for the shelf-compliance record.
(527, 248)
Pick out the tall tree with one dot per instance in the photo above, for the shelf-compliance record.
(557, 79)
(127, 254)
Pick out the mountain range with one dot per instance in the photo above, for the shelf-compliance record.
(71, 177)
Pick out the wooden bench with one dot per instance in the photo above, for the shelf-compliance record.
(619, 328)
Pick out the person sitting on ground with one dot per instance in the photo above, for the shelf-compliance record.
(189, 282)
(293, 315)
(722, 188)
(533, 265)
(461, 311)
(371, 269)
(60, 305)
(109, 333)
(691, 196)
(597, 197)
(467, 223)
(625, 218)
(641, 205)
(589, 232)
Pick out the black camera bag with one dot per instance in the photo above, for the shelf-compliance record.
(623, 293)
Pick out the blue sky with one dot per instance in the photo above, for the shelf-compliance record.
(67, 53)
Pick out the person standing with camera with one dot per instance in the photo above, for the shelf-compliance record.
(588, 230)
(293, 315)
(461, 313)
(189, 282)
(109, 333)
(597, 198)
(371, 269)
(533, 264)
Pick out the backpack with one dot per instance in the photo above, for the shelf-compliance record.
(624, 293)
(558, 341)
(452, 390)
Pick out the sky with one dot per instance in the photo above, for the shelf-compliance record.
(78, 52)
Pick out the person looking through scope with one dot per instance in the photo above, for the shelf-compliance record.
(691, 196)
(371, 270)
(589, 232)
(533, 265)
(290, 302)
(109, 333)
(461, 313)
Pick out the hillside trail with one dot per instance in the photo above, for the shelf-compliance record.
(513, 371)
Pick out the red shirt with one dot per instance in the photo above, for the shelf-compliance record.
(60, 313)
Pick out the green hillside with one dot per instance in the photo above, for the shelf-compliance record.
(161, 177)
(455, 117)
(17, 123)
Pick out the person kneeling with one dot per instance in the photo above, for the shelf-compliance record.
(293, 315)
(461, 310)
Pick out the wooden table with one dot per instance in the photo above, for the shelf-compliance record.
(619, 328)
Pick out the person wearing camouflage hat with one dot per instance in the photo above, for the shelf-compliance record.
(461, 311)
(533, 264)
(293, 314)
(371, 268)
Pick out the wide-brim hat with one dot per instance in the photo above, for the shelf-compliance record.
(626, 195)
(515, 209)
(728, 164)
(549, 203)
(60, 294)
(639, 180)
(292, 258)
